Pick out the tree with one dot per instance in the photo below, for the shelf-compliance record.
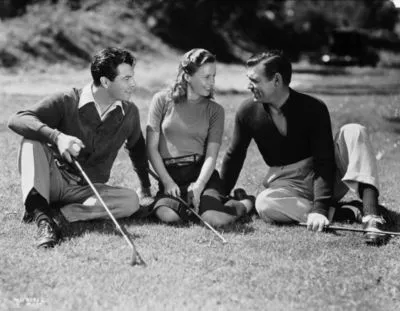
(11, 8)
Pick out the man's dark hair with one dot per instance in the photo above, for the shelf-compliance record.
(273, 61)
(106, 61)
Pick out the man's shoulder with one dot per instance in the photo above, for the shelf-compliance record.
(70, 95)
(130, 108)
(306, 99)
(304, 103)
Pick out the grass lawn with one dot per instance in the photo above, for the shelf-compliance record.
(263, 267)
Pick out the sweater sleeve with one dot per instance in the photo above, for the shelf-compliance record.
(234, 158)
(322, 147)
(40, 122)
(217, 120)
(136, 148)
(156, 112)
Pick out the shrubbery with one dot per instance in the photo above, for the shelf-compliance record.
(232, 29)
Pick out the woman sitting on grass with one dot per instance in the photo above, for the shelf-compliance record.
(184, 134)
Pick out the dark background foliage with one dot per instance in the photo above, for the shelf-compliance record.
(233, 29)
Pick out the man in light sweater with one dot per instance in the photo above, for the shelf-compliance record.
(90, 124)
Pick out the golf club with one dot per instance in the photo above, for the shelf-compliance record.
(154, 175)
(339, 228)
(136, 259)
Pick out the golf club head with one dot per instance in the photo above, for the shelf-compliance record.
(137, 260)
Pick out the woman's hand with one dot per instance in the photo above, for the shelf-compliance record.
(171, 188)
(194, 193)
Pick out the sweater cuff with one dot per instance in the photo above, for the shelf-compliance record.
(321, 207)
(49, 134)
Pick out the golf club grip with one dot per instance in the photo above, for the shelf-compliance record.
(104, 204)
(155, 176)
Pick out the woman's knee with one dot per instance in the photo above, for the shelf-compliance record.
(166, 214)
(129, 204)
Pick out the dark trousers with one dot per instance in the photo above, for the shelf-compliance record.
(211, 198)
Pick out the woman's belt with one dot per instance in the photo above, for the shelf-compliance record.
(183, 160)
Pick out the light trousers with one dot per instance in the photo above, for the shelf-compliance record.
(39, 171)
(288, 196)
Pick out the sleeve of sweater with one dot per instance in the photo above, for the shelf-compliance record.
(217, 122)
(156, 112)
(40, 122)
(136, 148)
(234, 158)
(322, 147)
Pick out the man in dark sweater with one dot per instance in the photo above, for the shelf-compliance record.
(308, 170)
(90, 124)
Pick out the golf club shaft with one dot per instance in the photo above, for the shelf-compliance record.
(202, 220)
(126, 237)
(155, 176)
(339, 228)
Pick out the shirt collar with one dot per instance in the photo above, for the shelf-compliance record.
(87, 97)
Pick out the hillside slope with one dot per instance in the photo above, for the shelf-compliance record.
(54, 34)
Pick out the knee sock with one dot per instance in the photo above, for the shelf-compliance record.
(38, 206)
(369, 197)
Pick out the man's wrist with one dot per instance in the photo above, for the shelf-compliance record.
(55, 135)
(320, 208)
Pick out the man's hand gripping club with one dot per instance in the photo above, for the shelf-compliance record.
(69, 146)
(317, 222)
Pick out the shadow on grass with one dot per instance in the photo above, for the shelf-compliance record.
(237, 227)
(392, 121)
(103, 226)
(353, 90)
(79, 228)
(243, 225)
(107, 227)
(231, 91)
(324, 71)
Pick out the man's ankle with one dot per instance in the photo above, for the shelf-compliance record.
(35, 200)
(378, 218)
(38, 207)
(248, 204)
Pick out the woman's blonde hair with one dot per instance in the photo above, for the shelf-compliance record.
(190, 63)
